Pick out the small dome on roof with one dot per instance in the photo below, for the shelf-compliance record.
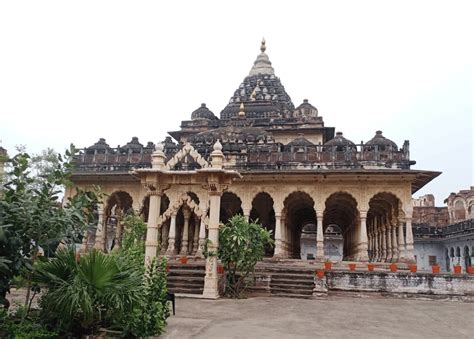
(305, 110)
(340, 142)
(100, 145)
(382, 142)
(203, 113)
(134, 145)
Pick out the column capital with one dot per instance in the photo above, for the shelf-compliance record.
(363, 214)
(319, 214)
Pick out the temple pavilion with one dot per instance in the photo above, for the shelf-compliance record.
(321, 195)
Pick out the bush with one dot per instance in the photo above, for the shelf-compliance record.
(241, 245)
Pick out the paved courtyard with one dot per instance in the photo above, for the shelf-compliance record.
(334, 317)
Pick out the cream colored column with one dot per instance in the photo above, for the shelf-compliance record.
(319, 235)
(151, 243)
(185, 240)
(401, 242)
(410, 256)
(375, 257)
(202, 238)
(394, 242)
(284, 236)
(362, 254)
(389, 241)
(165, 230)
(384, 243)
(99, 235)
(172, 236)
(211, 278)
(196, 236)
(278, 236)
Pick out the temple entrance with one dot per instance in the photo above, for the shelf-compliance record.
(299, 213)
(341, 222)
(262, 210)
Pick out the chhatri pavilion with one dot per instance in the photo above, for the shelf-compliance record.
(321, 195)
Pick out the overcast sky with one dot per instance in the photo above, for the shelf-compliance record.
(77, 71)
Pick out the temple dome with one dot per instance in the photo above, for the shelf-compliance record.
(340, 142)
(261, 92)
(203, 113)
(134, 145)
(382, 142)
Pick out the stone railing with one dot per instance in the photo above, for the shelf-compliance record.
(254, 157)
(423, 231)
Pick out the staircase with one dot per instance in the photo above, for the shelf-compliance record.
(186, 278)
(290, 282)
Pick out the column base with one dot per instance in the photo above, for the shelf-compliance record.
(184, 248)
(171, 247)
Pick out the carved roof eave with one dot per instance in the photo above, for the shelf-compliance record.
(417, 178)
(170, 176)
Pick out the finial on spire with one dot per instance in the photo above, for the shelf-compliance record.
(262, 46)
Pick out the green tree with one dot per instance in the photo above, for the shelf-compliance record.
(241, 245)
(32, 216)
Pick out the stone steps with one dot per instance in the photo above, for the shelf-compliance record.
(186, 278)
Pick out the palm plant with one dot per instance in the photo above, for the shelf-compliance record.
(86, 290)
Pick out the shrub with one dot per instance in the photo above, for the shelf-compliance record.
(241, 245)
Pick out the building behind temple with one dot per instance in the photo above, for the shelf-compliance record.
(444, 235)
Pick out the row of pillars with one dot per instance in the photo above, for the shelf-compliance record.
(168, 236)
(387, 242)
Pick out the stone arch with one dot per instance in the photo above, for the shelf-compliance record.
(341, 209)
(182, 154)
(231, 204)
(299, 212)
(263, 211)
(175, 205)
(117, 205)
(459, 206)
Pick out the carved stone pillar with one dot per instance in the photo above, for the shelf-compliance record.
(362, 247)
(185, 240)
(410, 256)
(384, 243)
(401, 242)
(196, 236)
(172, 236)
(151, 243)
(278, 236)
(319, 236)
(165, 231)
(211, 278)
(99, 235)
(395, 253)
(375, 256)
(389, 242)
(202, 238)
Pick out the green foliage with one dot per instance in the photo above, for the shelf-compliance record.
(241, 245)
(149, 314)
(32, 216)
(15, 326)
(84, 294)
(133, 241)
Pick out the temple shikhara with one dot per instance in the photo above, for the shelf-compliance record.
(322, 195)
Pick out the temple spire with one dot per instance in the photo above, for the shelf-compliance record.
(262, 65)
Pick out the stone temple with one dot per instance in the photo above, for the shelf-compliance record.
(321, 195)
